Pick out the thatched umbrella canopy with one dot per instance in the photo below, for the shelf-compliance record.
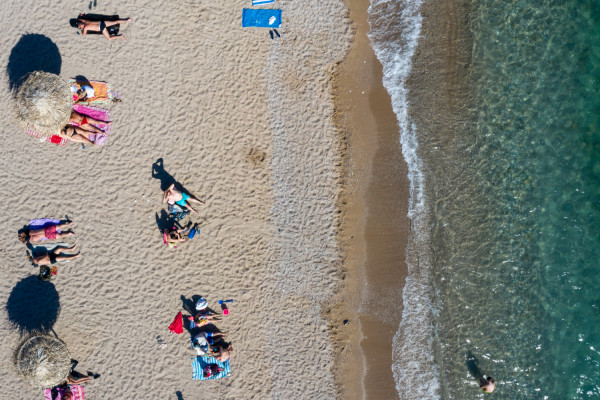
(43, 361)
(44, 102)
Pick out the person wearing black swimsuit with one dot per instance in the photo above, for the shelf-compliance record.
(100, 26)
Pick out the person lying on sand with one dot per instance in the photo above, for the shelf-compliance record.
(100, 26)
(48, 233)
(174, 196)
(85, 121)
(77, 134)
(204, 340)
(55, 256)
(205, 318)
(221, 353)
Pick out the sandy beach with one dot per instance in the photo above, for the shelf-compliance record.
(244, 123)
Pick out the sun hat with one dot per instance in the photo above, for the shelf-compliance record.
(201, 304)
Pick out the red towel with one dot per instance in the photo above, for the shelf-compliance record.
(177, 324)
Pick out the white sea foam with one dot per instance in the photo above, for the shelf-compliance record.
(395, 29)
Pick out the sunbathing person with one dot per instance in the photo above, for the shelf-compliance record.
(78, 134)
(204, 340)
(84, 122)
(204, 318)
(56, 255)
(100, 26)
(174, 196)
(48, 233)
(221, 353)
(82, 93)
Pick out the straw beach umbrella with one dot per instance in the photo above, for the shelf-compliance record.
(44, 102)
(43, 361)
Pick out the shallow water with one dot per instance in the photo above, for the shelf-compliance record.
(514, 209)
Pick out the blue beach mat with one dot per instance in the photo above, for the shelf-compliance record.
(198, 364)
(260, 18)
(262, 2)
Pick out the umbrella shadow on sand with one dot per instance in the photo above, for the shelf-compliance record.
(33, 305)
(33, 52)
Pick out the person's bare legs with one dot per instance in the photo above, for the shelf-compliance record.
(195, 200)
(189, 207)
(64, 234)
(60, 249)
(72, 380)
(67, 257)
(119, 21)
(96, 121)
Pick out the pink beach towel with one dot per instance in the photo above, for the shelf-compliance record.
(99, 114)
(77, 390)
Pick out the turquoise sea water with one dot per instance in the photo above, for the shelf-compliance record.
(516, 209)
(504, 255)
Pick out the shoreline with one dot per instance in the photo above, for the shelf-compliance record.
(375, 227)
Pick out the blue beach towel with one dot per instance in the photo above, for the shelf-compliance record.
(262, 2)
(260, 18)
(198, 364)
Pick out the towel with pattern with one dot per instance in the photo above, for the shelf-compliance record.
(77, 390)
(103, 94)
(199, 363)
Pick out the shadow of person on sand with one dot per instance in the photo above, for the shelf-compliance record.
(166, 179)
(179, 395)
(33, 52)
(33, 305)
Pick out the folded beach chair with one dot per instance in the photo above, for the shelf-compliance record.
(269, 18)
(198, 364)
(262, 2)
(77, 390)
(102, 91)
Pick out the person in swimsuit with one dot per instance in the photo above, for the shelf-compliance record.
(174, 196)
(50, 232)
(100, 26)
(221, 353)
(204, 340)
(79, 135)
(55, 256)
(84, 121)
(83, 93)
(488, 385)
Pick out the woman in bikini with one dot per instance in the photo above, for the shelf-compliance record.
(56, 255)
(174, 196)
(78, 134)
(100, 26)
(51, 232)
(85, 121)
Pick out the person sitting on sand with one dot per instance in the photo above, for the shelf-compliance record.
(84, 121)
(488, 385)
(204, 340)
(82, 93)
(48, 233)
(56, 255)
(172, 237)
(100, 26)
(78, 135)
(211, 369)
(221, 353)
(174, 196)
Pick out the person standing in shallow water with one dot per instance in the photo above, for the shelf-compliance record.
(488, 385)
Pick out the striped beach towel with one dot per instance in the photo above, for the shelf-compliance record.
(102, 92)
(198, 364)
(262, 2)
(77, 390)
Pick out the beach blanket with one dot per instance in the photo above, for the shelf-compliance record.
(261, 18)
(177, 325)
(41, 223)
(100, 114)
(198, 364)
(102, 92)
(77, 390)
(262, 2)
